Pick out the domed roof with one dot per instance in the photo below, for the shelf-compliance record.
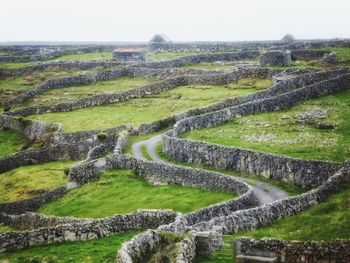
(288, 38)
(159, 38)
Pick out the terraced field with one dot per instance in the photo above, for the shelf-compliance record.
(323, 123)
(166, 175)
(152, 108)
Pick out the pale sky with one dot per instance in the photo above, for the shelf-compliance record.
(180, 20)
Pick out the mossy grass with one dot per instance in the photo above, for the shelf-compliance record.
(11, 142)
(75, 93)
(145, 110)
(86, 56)
(96, 250)
(28, 181)
(283, 133)
(289, 188)
(145, 153)
(156, 56)
(326, 221)
(15, 65)
(121, 191)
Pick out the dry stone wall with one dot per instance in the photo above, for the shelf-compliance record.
(82, 229)
(294, 251)
(300, 172)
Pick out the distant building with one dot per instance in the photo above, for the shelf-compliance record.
(159, 42)
(129, 54)
(276, 58)
(289, 38)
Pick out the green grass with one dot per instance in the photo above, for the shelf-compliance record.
(289, 188)
(281, 133)
(145, 153)
(28, 181)
(30, 80)
(11, 142)
(156, 56)
(152, 108)
(4, 228)
(86, 56)
(77, 92)
(326, 221)
(138, 138)
(97, 250)
(15, 65)
(121, 191)
(210, 66)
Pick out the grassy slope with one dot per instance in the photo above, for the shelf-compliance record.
(86, 56)
(145, 110)
(77, 92)
(121, 191)
(100, 250)
(11, 142)
(272, 132)
(156, 56)
(14, 65)
(325, 221)
(28, 181)
(30, 80)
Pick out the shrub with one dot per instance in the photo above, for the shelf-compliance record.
(102, 136)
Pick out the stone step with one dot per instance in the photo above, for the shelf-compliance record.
(255, 259)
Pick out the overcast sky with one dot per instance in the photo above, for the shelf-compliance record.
(180, 20)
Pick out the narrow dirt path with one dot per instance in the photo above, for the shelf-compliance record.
(265, 192)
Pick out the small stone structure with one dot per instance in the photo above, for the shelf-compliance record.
(276, 58)
(288, 38)
(330, 59)
(159, 42)
(129, 54)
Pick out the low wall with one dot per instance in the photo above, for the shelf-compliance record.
(154, 88)
(195, 59)
(294, 251)
(32, 204)
(56, 152)
(32, 129)
(83, 229)
(264, 215)
(301, 172)
(172, 174)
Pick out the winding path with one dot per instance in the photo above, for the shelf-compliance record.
(265, 192)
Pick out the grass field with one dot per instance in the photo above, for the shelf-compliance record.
(121, 191)
(15, 65)
(77, 92)
(28, 181)
(30, 80)
(152, 108)
(11, 142)
(86, 56)
(282, 132)
(156, 56)
(211, 66)
(326, 221)
(100, 250)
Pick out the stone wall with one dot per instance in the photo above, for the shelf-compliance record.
(260, 164)
(146, 90)
(33, 156)
(294, 251)
(80, 229)
(32, 129)
(308, 54)
(195, 59)
(159, 173)
(32, 204)
(264, 215)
